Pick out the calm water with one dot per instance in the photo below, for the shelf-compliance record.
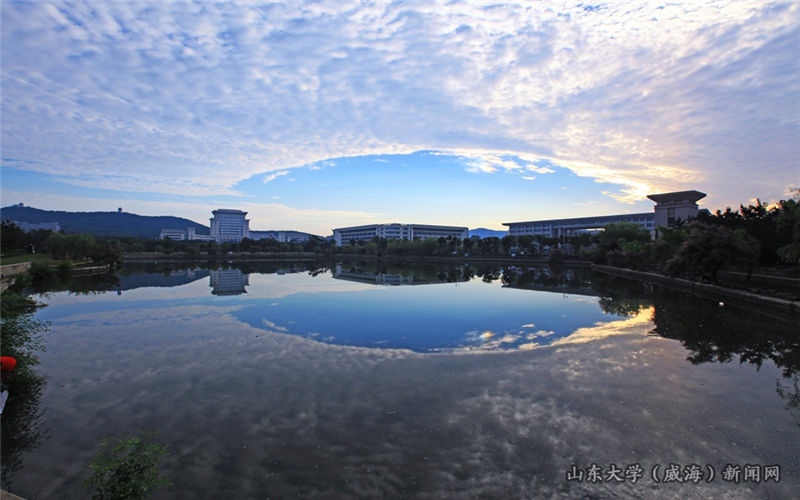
(367, 381)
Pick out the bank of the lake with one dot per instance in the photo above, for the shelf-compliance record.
(769, 303)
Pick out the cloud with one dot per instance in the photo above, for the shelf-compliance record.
(272, 177)
(169, 96)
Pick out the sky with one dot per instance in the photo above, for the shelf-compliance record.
(312, 115)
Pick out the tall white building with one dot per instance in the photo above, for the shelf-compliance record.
(229, 225)
(397, 231)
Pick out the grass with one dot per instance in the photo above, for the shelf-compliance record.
(26, 257)
(41, 258)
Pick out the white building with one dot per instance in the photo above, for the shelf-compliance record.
(397, 231)
(229, 225)
(183, 235)
(282, 236)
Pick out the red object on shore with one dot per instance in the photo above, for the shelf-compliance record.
(7, 363)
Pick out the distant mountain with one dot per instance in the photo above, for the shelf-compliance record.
(102, 223)
(485, 233)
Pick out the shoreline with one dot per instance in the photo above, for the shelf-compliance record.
(709, 291)
(160, 257)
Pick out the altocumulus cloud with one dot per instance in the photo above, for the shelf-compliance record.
(194, 97)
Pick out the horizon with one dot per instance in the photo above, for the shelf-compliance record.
(319, 115)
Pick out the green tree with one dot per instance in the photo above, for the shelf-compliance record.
(788, 226)
(128, 471)
(11, 237)
(508, 242)
(709, 249)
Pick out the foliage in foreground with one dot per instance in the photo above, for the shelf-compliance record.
(127, 471)
(21, 337)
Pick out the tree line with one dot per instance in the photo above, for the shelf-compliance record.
(755, 234)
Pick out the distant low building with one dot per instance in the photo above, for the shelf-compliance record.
(396, 231)
(669, 209)
(187, 234)
(556, 228)
(282, 236)
(30, 226)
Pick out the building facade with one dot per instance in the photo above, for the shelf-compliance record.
(183, 235)
(556, 228)
(669, 209)
(36, 226)
(673, 207)
(229, 225)
(396, 231)
(282, 236)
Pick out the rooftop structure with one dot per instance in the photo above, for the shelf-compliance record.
(672, 207)
(397, 231)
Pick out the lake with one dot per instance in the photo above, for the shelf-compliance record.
(368, 380)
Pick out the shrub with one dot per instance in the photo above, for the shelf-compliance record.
(127, 471)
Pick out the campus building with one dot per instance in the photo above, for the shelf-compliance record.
(282, 236)
(229, 225)
(670, 207)
(396, 231)
(183, 235)
(36, 226)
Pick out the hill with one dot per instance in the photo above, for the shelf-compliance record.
(485, 233)
(102, 223)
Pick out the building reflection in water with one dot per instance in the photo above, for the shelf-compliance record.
(228, 281)
(404, 277)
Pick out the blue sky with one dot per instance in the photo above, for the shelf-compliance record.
(315, 115)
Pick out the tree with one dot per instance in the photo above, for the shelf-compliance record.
(788, 226)
(621, 244)
(508, 242)
(708, 249)
(11, 236)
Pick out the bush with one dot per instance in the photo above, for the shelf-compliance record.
(128, 471)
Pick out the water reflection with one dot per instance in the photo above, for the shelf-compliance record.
(283, 416)
(228, 281)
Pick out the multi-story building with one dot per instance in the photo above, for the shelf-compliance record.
(229, 225)
(670, 207)
(556, 228)
(397, 231)
(282, 236)
(183, 235)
